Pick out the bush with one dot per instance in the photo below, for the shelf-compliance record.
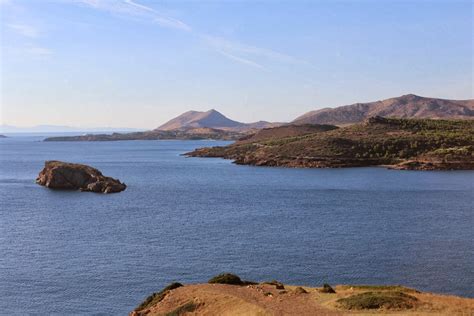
(188, 307)
(327, 289)
(226, 278)
(393, 300)
(157, 297)
(300, 290)
(278, 285)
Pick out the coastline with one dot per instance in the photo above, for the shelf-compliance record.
(275, 298)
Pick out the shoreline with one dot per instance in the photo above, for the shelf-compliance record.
(227, 294)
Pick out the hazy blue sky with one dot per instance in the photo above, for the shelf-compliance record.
(138, 63)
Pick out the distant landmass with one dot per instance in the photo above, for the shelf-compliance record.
(188, 134)
(406, 106)
(191, 125)
(61, 129)
(422, 144)
(214, 125)
(211, 119)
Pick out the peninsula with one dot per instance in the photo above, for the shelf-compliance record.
(418, 144)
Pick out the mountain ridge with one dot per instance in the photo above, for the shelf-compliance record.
(405, 106)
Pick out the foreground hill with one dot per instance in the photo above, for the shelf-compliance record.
(398, 143)
(210, 119)
(407, 106)
(236, 297)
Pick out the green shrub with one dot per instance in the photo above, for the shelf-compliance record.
(226, 278)
(393, 300)
(185, 308)
(278, 285)
(327, 289)
(300, 290)
(157, 296)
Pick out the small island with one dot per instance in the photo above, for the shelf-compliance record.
(405, 144)
(71, 176)
(228, 294)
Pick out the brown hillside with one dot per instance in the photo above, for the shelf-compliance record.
(407, 106)
(274, 298)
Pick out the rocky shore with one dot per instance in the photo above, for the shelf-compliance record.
(71, 176)
(227, 294)
(403, 144)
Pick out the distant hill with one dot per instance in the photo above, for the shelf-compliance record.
(188, 134)
(210, 119)
(406, 106)
(61, 129)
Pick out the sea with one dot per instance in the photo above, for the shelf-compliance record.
(187, 219)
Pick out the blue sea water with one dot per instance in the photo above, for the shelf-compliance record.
(187, 219)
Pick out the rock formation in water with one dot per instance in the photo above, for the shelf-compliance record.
(70, 176)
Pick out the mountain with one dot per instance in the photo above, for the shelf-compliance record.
(424, 144)
(210, 119)
(406, 106)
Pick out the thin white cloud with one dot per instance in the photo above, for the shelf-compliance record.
(38, 51)
(25, 30)
(247, 52)
(241, 60)
(129, 7)
(29, 50)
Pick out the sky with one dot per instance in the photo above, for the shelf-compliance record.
(139, 63)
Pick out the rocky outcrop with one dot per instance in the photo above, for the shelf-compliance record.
(70, 176)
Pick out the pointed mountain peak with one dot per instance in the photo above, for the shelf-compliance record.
(194, 119)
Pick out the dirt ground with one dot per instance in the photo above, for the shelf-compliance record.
(265, 299)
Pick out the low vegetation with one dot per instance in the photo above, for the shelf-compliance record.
(188, 307)
(327, 289)
(380, 288)
(419, 143)
(226, 278)
(390, 300)
(300, 290)
(278, 285)
(157, 297)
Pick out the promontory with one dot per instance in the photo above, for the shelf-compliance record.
(421, 144)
